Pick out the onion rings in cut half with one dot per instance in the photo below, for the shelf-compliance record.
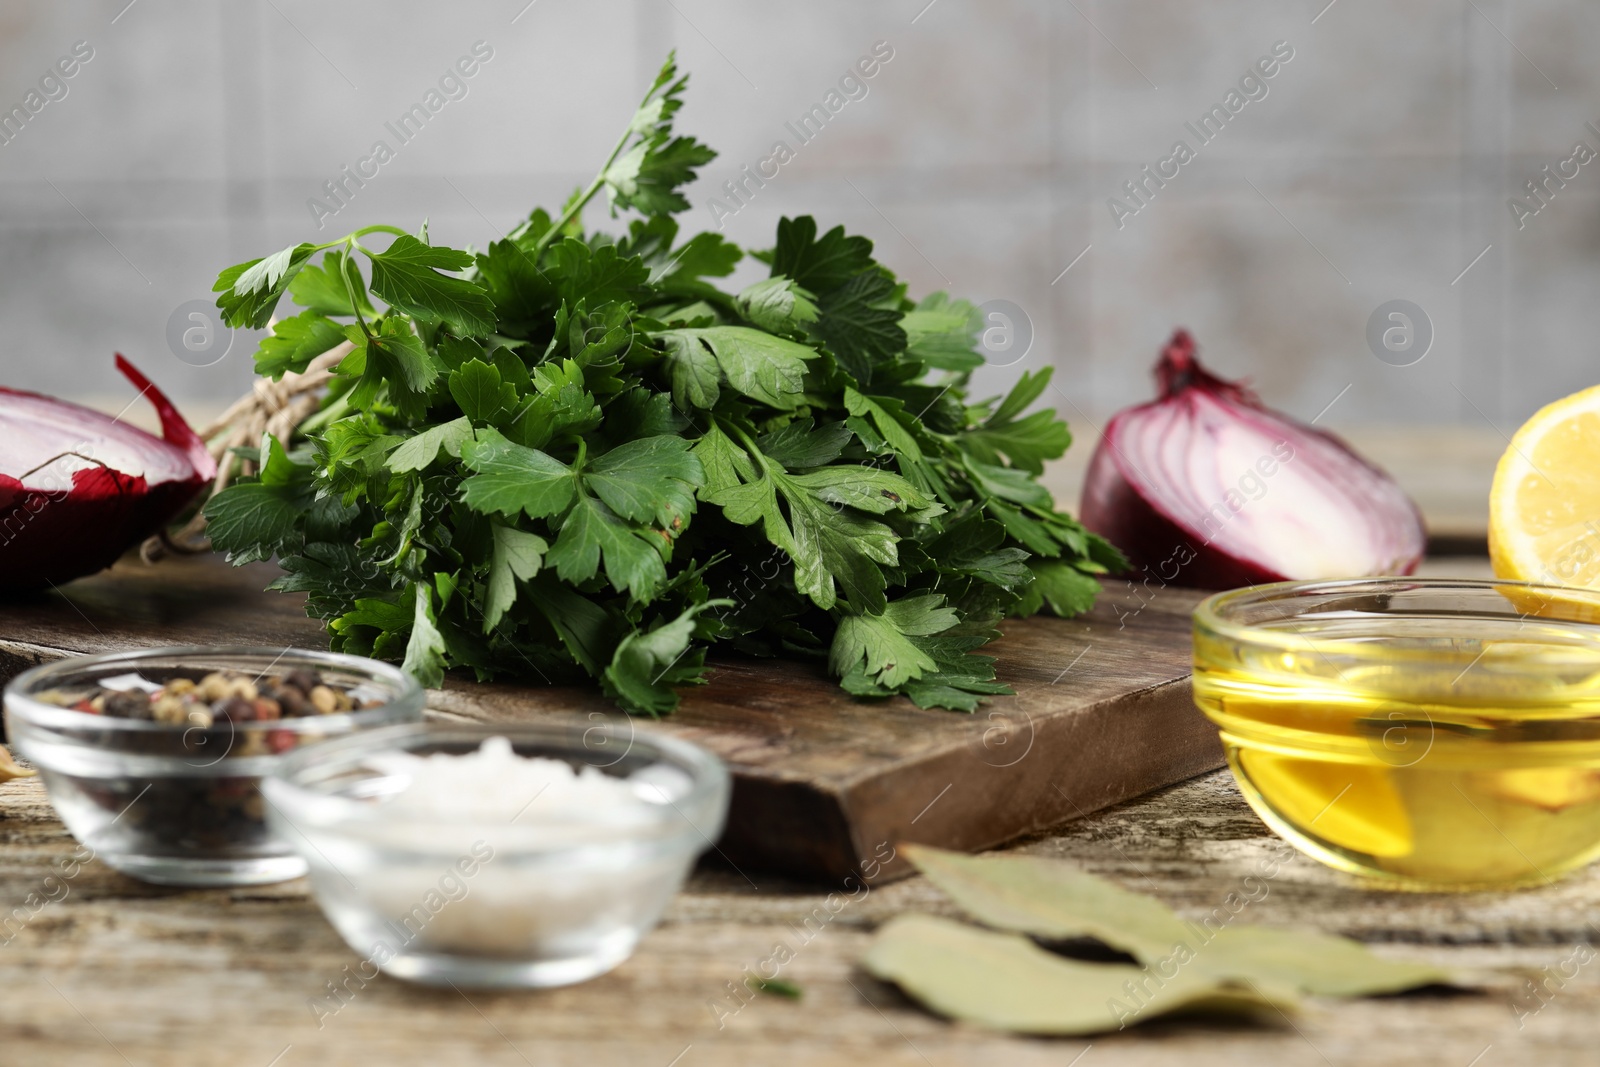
(1204, 487)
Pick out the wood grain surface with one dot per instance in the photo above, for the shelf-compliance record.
(115, 973)
(103, 970)
(822, 782)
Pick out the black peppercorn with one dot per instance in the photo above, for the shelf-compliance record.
(290, 699)
(303, 679)
(234, 709)
(128, 704)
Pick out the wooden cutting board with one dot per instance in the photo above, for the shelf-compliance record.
(824, 785)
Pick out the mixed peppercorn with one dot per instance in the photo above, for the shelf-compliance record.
(217, 698)
(218, 718)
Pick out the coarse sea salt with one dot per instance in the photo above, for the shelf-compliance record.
(495, 786)
(499, 856)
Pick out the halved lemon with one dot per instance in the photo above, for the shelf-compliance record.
(1544, 508)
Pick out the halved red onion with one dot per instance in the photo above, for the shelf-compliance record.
(78, 488)
(1205, 487)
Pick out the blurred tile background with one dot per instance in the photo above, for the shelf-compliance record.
(1377, 167)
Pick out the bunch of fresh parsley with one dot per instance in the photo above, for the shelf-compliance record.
(572, 455)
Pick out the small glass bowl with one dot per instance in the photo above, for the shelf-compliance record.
(1430, 733)
(546, 896)
(175, 804)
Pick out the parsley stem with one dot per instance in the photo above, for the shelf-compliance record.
(380, 228)
(578, 204)
(350, 237)
(334, 410)
(594, 187)
(345, 267)
(749, 445)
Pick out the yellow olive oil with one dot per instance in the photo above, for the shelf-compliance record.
(1453, 751)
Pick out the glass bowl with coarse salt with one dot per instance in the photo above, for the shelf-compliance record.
(509, 856)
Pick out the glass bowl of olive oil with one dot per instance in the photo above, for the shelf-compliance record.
(1429, 733)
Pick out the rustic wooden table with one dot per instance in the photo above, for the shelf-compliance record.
(100, 969)
(114, 972)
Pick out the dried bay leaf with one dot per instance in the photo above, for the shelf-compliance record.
(1006, 982)
(1053, 899)
(1314, 963)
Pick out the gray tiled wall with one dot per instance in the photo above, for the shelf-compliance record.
(1376, 166)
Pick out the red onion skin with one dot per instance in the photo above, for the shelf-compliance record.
(52, 536)
(1160, 548)
(174, 429)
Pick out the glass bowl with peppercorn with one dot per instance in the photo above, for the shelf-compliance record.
(153, 759)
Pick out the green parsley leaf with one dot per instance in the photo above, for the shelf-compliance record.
(516, 555)
(705, 255)
(758, 365)
(777, 305)
(798, 445)
(780, 987)
(278, 470)
(479, 392)
(576, 456)
(420, 451)
(595, 275)
(940, 332)
(250, 291)
(820, 266)
(378, 614)
(512, 479)
(868, 489)
(250, 520)
(425, 651)
(592, 531)
(406, 274)
(653, 478)
(1067, 590)
(648, 177)
(647, 665)
(650, 164)
(861, 325)
(1009, 484)
(251, 515)
(524, 296)
(832, 548)
(324, 289)
(888, 417)
(1026, 442)
(724, 463)
(884, 642)
(295, 342)
(696, 376)
(395, 357)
